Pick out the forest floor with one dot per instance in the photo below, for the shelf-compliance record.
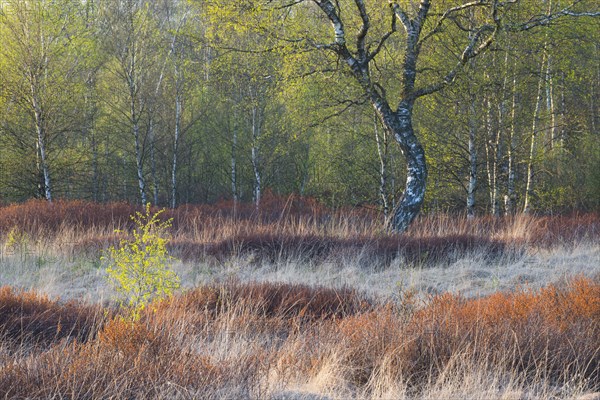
(303, 303)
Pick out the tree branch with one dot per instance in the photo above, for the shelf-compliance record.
(421, 16)
(402, 16)
(384, 38)
(471, 51)
(438, 26)
(364, 29)
(338, 27)
(348, 104)
(542, 20)
(339, 45)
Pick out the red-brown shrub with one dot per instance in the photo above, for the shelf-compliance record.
(554, 332)
(275, 300)
(551, 336)
(297, 227)
(29, 317)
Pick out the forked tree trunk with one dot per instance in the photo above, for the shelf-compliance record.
(399, 124)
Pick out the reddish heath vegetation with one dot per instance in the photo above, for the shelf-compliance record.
(292, 225)
(242, 338)
(252, 340)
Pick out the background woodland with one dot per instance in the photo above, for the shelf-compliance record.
(153, 101)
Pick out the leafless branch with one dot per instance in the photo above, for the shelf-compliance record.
(541, 20)
(364, 29)
(438, 26)
(348, 104)
(471, 51)
(384, 38)
(402, 16)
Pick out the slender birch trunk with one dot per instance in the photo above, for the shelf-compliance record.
(472, 159)
(139, 162)
(382, 153)
(89, 131)
(594, 115)
(152, 140)
(472, 186)
(135, 122)
(529, 191)
(41, 141)
(563, 110)
(510, 200)
(95, 168)
(176, 135)
(234, 144)
(131, 74)
(550, 104)
(255, 156)
(493, 153)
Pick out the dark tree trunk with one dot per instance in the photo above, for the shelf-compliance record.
(399, 124)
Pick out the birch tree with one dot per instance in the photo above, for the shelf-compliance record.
(41, 59)
(361, 31)
(129, 30)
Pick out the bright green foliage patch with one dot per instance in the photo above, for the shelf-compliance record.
(139, 269)
(17, 240)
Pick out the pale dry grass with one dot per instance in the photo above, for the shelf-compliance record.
(243, 341)
(218, 345)
(472, 275)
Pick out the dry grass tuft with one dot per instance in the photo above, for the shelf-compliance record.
(274, 300)
(293, 227)
(34, 319)
(234, 339)
(257, 340)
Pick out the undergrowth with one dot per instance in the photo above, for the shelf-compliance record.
(253, 340)
(236, 339)
(293, 226)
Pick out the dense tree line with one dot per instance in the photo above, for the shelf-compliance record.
(172, 102)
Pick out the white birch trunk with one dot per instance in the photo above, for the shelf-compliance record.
(153, 161)
(472, 159)
(138, 148)
(255, 157)
(234, 143)
(510, 199)
(529, 190)
(382, 153)
(493, 155)
(139, 164)
(177, 133)
(41, 142)
(550, 104)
